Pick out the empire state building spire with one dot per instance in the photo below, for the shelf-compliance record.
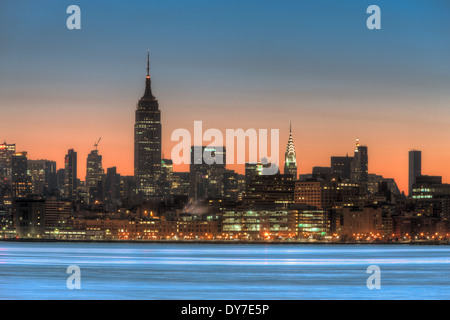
(148, 63)
(148, 81)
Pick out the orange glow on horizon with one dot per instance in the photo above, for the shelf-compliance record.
(117, 150)
(317, 135)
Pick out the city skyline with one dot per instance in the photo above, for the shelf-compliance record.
(185, 167)
(214, 154)
(389, 88)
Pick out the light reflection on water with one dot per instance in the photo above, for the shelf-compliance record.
(193, 271)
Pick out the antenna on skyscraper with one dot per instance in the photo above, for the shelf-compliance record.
(148, 63)
(96, 144)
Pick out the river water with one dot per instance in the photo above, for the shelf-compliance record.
(36, 270)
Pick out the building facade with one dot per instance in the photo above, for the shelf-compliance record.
(147, 142)
(207, 172)
(360, 164)
(342, 166)
(290, 157)
(414, 168)
(70, 174)
(6, 153)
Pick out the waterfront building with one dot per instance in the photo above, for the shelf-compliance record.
(362, 223)
(259, 223)
(312, 223)
(29, 218)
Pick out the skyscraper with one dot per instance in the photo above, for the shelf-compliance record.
(166, 176)
(290, 158)
(21, 183)
(70, 174)
(207, 169)
(60, 183)
(94, 169)
(147, 141)
(19, 165)
(43, 176)
(94, 172)
(112, 187)
(415, 168)
(252, 170)
(342, 166)
(6, 153)
(360, 164)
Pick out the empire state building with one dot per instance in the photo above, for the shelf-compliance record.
(147, 141)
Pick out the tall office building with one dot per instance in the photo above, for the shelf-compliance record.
(21, 183)
(166, 176)
(342, 166)
(207, 171)
(19, 166)
(94, 169)
(147, 142)
(290, 158)
(51, 178)
(6, 153)
(231, 185)
(252, 170)
(360, 164)
(415, 168)
(94, 173)
(60, 177)
(112, 187)
(181, 183)
(70, 174)
(127, 189)
(43, 176)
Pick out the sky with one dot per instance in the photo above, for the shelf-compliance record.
(231, 64)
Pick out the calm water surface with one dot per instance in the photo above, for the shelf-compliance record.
(209, 271)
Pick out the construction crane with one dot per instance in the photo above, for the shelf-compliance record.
(96, 144)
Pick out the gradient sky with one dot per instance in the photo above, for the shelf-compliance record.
(232, 64)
